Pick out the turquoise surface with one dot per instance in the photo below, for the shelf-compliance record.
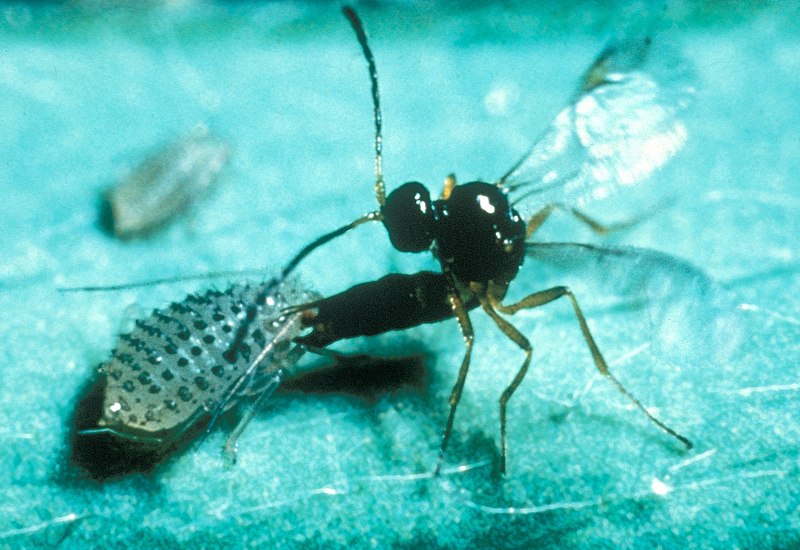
(86, 91)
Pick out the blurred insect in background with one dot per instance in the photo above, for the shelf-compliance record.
(164, 185)
(620, 127)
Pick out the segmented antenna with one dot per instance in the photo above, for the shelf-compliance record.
(355, 22)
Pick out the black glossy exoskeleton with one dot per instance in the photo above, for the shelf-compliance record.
(478, 237)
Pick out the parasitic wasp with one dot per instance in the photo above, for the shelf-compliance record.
(620, 126)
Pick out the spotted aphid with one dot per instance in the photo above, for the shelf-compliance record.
(196, 359)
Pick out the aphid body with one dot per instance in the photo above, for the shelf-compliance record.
(196, 358)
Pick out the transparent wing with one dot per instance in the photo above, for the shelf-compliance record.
(622, 124)
(691, 318)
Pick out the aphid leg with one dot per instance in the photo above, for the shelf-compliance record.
(465, 325)
(337, 356)
(447, 188)
(250, 377)
(545, 297)
(123, 435)
(536, 221)
(231, 447)
(517, 337)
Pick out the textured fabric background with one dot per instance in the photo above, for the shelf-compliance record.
(86, 91)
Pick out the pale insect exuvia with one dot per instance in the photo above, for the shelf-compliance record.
(164, 185)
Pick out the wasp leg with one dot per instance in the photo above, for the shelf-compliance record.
(465, 325)
(516, 336)
(447, 188)
(545, 297)
(536, 221)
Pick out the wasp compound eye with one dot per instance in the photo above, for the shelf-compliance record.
(409, 218)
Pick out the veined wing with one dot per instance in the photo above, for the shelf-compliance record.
(691, 317)
(622, 124)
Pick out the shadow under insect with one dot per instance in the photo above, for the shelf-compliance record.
(105, 455)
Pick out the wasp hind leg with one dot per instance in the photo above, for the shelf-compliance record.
(545, 297)
(516, 336)
(599, 228)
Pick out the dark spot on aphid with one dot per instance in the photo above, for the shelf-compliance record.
(124, 358)
(155, 389)
(218, 316)
(208, 339)
(171, 349)
(198, 299)
(258, 337)
(170, 404)
(149, 415)
(148, 329)
(182, 361)
(133, 419)
(144, 378)
(201, 383)
(236, 310)
(128, 386)
(200, 325)
(115, 374)
(137, 344)
(179, 308)
(184, 393)
(154, 359)
(196, 350)
(227, 328)
(167, 375)
(218, 370)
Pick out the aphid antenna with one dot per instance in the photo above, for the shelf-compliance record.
(164, 281)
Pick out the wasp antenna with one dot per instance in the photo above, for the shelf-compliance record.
(358, 27)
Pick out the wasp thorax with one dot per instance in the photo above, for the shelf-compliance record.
(408, 217)
(479, 236)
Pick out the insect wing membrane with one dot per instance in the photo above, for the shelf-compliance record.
(691, 318)
(622, 125)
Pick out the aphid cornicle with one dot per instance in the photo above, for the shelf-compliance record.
(478, 236)
(193, 360)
